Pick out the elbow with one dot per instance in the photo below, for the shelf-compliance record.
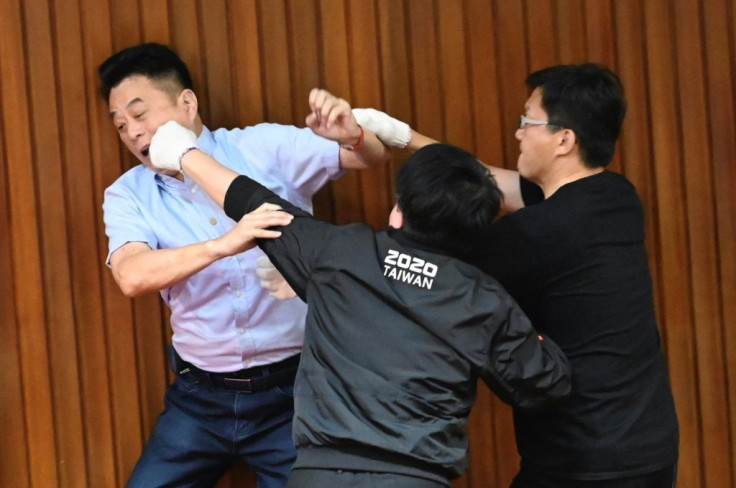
(129, 284)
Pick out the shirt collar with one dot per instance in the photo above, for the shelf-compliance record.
(400, 236)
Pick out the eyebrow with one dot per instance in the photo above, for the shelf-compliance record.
(132, 102)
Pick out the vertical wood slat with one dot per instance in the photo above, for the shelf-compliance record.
(703, 255)
(540, 38)
(426, 80)
(45, 137)
(485, 96)
(677, 308)
(366, 92)
(456, 71)
(101, 150)
(334, 40)
(453, 64)
(85, 274)
(14, 469)
(246, 62)
(718, 16)
(26, 255)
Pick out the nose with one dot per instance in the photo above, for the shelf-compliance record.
(134, 130)
(519, 134)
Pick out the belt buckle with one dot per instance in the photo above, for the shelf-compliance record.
(240, 384)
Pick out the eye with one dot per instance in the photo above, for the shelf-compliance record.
(121, 127)
(139, 115)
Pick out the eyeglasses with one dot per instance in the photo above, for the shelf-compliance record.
(524, 121)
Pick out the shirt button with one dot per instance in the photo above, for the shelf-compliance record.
(241, 330)
(236, 293)
(213, 221)
(194, 189)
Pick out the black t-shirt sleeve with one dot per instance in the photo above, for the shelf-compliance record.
(301, 241)
(530, 192)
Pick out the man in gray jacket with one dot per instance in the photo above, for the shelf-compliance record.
(399, 328)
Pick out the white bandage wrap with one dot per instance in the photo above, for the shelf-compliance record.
(272, 280)
(170, 142)
(389, 130)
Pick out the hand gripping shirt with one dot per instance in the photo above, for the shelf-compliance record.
(397, 335)
(222, 320)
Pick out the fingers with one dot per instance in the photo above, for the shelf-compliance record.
(327, 109)
(263, 218)
(266, 207)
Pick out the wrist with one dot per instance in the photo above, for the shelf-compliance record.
(186, 151)
(358, 143)
(215, 249)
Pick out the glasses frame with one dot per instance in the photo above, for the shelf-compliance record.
(525, 121)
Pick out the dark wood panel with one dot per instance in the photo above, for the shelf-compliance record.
(453, 74)
(424, 60)
(675, 303)
(512, 58)
(14, 469)
(246, 62)
(364, 66)
(335, 50)
(23, 230)
(570, 31)
(719, 53)
(702, 252)
(541, 41)
(483, 90)
(45, 91)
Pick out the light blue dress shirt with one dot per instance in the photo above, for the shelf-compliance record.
(221, 318)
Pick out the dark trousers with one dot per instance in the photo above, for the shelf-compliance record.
(664, 478)
(338, 478)
(203, 430)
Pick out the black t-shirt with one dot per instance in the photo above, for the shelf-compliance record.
(577, 265)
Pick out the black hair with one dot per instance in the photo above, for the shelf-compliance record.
(587, 99)
(448, 199)
(155, 61)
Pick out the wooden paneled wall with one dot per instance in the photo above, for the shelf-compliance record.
(82, 368)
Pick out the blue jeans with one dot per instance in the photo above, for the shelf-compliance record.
(203, 430)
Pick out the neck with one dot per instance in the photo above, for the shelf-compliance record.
(556, 181)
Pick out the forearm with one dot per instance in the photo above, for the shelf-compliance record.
(211, 176)
(371, 151)
(418, 141)
(138, 269)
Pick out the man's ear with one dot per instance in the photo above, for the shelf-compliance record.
(567, 143)
(189, 100)
(396, 219)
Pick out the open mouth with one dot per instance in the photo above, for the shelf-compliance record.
(145, 151)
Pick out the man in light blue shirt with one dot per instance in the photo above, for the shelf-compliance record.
(235, 347)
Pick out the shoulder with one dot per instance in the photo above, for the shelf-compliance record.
(263, 131)
(136, 177)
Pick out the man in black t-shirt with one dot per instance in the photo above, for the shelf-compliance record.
(574, 258)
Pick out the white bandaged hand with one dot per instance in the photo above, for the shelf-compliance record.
(170, 142)
(389, 130)
(272, 280)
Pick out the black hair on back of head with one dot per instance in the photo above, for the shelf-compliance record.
(448, 199)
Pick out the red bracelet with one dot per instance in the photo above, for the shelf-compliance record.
(357, 144)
